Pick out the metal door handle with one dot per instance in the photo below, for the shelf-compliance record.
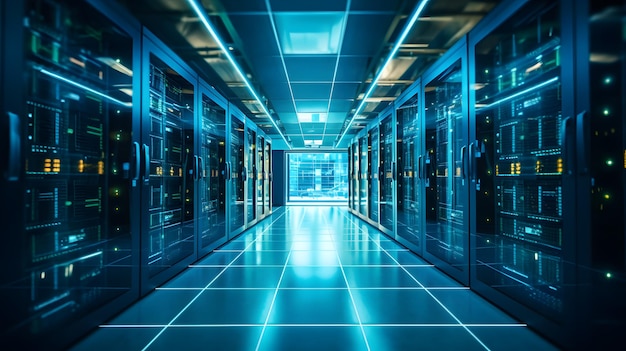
(582, 142)
(196, 168)
(136, 161)
(201, 174)
(567, 159)
(146, 163)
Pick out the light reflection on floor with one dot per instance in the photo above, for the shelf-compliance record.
(312, 278)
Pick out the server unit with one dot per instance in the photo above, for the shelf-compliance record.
(70, 253)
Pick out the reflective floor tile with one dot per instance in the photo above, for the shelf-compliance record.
(207, 338)
(406, 257)
(365, 258)
(228, 307)
(312, 307)
(262, 258)
(399, 307)
(159, 307)
(194, 278)
(248, 277)
(313, 277)
(313, 258)
(470, 308)
(313, 339)
(432, 277)
(108, 339)
(421, 338)
(218, 258)
(512, 339)
(375, 277)
(313, 246)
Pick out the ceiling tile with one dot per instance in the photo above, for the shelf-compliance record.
(317, 5)
(342, 106)
(310, 69)
(365, 34)
(304, 91)
(352, 69)
(345, 91)
(313, 106)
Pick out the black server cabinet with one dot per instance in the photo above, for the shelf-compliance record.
(363, 177)
(373, 159)
(168, 158)
(599, 128)
(249, 174)
(410, 156)
(211, 178)
(69, 110)
(237, 173)
(267, 177)
(387, 173)
(523, 184)
(444, 88)
(260, 175)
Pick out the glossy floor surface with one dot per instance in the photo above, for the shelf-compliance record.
(312, 278)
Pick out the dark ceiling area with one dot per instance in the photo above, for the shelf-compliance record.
(310, 63)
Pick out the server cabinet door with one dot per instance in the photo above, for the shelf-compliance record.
(447, 237)
(410, 190)
(211, 177)
(250, 178)
(260, 176)
(364, 170)
(521, 165)
(354, 195)
(601, 169)
(374, 189)
(387, 174)
(237, 175)
(168, 230)
(267, 179)
(67, 251)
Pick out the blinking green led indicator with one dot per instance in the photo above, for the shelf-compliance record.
(609, 275)
(606, 112)
(609, 162)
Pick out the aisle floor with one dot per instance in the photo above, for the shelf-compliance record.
(312, 278)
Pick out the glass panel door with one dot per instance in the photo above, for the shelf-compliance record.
(69, 250)
(386, 171)
(373, 161)
(260, 176)
(171, 184)
(446, 198)
(211, 180)
(267, 178)
(410, 191)
(519, 122)
(354, 195)
(250, 175)
(364, 170)
(237, 174)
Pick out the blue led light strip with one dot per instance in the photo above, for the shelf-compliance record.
(407, 28)
(205, 20)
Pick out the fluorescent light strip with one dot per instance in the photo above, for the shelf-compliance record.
(83, 87)
(205, 288)
(405, 32)
(205, 20)
(427, 290)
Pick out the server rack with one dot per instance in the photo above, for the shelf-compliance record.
(250, 174)
(168, 154)
(523, 246)
(387, 171)
(211, 163)
(354, 162)
(410, 184)
(364, 176)
(236, 172)
(260, 175)
(267, 177)
(444, 87)
(67, 207)
(373, 160)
